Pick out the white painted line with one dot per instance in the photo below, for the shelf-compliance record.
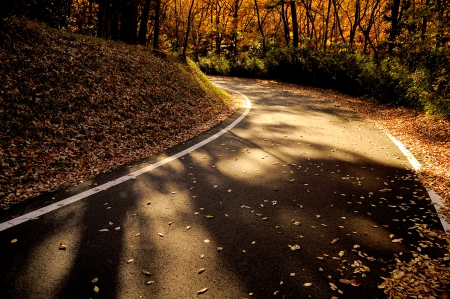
(35, 214)
(435, 198)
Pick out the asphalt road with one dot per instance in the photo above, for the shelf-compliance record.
(298, 195)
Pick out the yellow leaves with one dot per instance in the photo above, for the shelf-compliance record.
(352, 282)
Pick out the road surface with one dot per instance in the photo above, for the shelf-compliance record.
(300, 199)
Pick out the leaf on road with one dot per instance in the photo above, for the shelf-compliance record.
(13, 241)
(146, 273)
(209, 216)
(96, 289)
(334, 241)
(201, 291)
(150, 282)
(161, 235)
(117, 228)
(130, 261)
(308, 284)
(104, 230)
(333, 286)
(201, 270)
(399, 240)
(62, 246)
(95, 280)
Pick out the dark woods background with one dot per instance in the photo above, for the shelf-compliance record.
(394, 51)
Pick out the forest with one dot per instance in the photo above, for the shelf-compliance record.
(392, 51)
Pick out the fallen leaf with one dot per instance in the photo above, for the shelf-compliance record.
(104, 230)
(150, 282)
(146, 273)
(96, 289)
(334, 241)
(201, 291)
(333, 286)
(352, 282)
(130, 261)
(95, 280)
(308, 284)
(201, 270)
(117, 228)
(161, 235)
(62, 246)
(209, 216)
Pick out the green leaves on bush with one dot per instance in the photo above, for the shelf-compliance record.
(420, 80)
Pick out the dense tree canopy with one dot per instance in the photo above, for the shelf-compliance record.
(236, 26)
(394, 50)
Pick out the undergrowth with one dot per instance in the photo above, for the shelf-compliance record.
(421, 80)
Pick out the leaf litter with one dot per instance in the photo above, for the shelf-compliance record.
(126, 110)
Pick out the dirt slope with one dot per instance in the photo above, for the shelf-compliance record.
(74, 106)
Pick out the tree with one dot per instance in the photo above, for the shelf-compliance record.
(157, 26)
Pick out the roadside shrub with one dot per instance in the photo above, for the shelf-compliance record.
(214, 65)
(418, 80)
(248, 66)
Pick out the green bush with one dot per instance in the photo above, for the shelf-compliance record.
(418, 80)
(214, 65)
(248, 66)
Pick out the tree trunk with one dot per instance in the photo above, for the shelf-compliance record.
(234, 35)
(260, 28)
(285, 23)
(394, 31)
(103, 18)
(294, 24)
(327, 21)
(188, 29)
(128, 23)
(355, 24)
(144, 23)
(156, 30)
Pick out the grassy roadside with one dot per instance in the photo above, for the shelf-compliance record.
(74, 106)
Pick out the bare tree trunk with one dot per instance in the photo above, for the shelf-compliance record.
(188, 29)
(338, 22)
(355, 24)
(394, 31)
(234, 34)
(103, 18)
(294, 24)
(260, 28)
(144, 23)
(128, 23)
(285, 23)
(156, 30)
(327, 21)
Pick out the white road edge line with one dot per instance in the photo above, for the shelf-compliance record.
(435, 198)
(35, 214)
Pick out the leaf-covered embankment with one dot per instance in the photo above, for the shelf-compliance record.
(73, 106)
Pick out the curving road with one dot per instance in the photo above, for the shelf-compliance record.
(300, 199)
